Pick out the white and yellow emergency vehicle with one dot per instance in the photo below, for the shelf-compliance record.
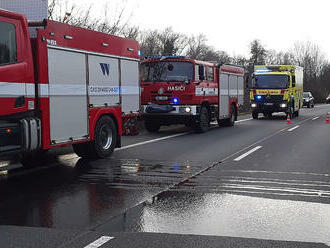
(276, 88)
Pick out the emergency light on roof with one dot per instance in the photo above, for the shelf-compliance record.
(262, 70)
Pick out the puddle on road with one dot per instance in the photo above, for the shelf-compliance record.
(84, 194)
(229, 215)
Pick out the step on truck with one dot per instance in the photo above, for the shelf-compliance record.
(63, 86)
(276, 88)
(177, 90)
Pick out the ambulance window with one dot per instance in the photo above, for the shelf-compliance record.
(210, 74)
(8, 47)
(293, 81)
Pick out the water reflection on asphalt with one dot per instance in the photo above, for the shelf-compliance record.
(75, 193)
(234, 216)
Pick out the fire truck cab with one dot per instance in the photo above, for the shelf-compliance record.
(177, 90)
(64, 86)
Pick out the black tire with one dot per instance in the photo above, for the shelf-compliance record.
(81, 149)
(255, 115)
(309, 105)
(152, 126)
(203, 122)
(269, 115)
(104, 143)
(233, 117)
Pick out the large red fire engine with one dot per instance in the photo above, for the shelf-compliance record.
(64, 86)
(176, 90)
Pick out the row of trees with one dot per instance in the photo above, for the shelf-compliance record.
(168, 42)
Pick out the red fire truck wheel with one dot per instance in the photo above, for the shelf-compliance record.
(104, 142)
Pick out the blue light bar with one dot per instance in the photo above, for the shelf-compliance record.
(258, 97)
(175, 100)
(140, 53)
(262, 71)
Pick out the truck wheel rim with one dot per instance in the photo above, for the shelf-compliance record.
(105, 137)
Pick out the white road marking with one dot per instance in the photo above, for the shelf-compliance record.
(101, 241)
(279, 172)
(294, 128)
(164, 138)
(151, 141)
(315, 118)
(247, 153)
(244, 120)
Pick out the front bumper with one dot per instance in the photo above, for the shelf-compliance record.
(269, 107)
(170, 114)
(176, 110)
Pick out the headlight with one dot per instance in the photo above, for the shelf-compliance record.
(307, 100)
(188, 110)
(253, 105)
(283, 105)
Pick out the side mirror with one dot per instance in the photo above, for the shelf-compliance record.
(201, 73)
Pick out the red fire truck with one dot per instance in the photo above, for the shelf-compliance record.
(177, 90)
(64, 85)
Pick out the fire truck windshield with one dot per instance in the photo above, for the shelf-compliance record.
(270, 82)
(167, 72)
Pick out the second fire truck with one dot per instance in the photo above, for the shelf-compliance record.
(177, 90)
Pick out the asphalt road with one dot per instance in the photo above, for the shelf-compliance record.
(261, 183)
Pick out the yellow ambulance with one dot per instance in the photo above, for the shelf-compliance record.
(276, 88)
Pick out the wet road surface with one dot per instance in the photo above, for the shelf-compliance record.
(259, 181)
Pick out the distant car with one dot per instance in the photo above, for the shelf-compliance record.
(327, 100)
(308, 100)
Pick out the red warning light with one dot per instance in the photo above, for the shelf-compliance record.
(8, 131)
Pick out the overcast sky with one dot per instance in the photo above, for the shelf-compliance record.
(230, 25)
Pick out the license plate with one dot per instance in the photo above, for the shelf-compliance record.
(161, 98)
(269, 104)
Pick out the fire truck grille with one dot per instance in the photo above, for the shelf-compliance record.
(273, 98)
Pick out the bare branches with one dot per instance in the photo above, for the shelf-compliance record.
(116, 22)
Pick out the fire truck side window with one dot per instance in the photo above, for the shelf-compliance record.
(8, 47)
(210, 74)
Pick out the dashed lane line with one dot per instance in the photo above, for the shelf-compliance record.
(99, 242)
(165, 138)
(247, 153)
(294, 128)
(315, 118)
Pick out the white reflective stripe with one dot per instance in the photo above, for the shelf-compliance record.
(30, 90)
(130, 90)
(224, 92)
(43, 90)
(16, 89)
(99, 90)
(67, 90)
(233, 92)
(206, 91)
(106, 90)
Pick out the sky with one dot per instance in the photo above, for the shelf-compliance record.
(231, 25)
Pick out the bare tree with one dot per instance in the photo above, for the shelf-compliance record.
(115, 23)
(165, 42)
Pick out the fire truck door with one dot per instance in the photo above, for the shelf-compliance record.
(224, 96)
(67, 96)
(130, 90)
(103, 81)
